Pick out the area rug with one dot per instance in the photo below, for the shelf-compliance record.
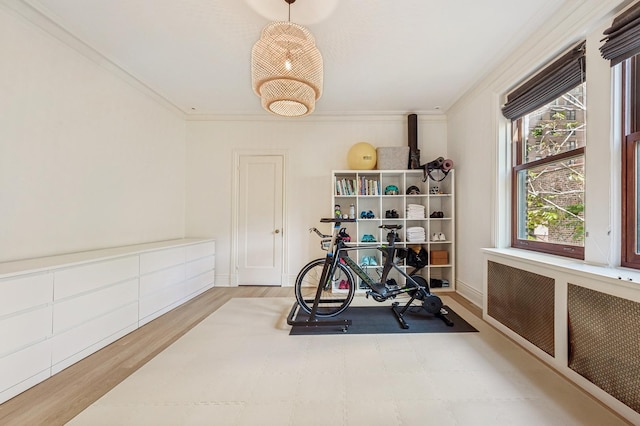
(241, 367)
(381, 320)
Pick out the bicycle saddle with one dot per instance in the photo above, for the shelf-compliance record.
(390, 226)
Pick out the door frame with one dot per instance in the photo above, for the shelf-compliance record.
(235, 211)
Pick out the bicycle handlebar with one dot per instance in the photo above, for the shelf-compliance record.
(320, 234)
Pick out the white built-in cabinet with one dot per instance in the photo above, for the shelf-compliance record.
(57, 310)
(365, 190)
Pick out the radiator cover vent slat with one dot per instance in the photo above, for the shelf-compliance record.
(524, 302)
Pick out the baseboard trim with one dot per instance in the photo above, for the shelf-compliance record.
(470, 293)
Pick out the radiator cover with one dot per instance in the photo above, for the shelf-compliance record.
(604, 342)
(524, 302)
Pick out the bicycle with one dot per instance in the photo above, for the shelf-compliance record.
(325, 287)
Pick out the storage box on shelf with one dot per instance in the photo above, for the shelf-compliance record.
(439, 257)
(392, 158)
(427, 218)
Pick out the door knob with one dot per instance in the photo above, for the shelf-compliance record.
(277, 231)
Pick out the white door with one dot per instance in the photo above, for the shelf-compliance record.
(260, 218)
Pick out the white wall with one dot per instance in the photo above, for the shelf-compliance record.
(477, 143)
(86, 159)
(470, 147)
(313, 147)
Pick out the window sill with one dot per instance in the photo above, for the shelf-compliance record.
(614, 275)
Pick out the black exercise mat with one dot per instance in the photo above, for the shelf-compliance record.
(381, 320)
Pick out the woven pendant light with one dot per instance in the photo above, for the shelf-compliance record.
(286, 69)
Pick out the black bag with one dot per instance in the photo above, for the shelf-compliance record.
(401, 253)
(417, 260)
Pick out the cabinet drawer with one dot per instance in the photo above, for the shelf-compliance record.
(80, 279)
(155, 303)
(17, 294)
(78, 310)
(197, 251)
(93, 335)
(200, 266)
(157, 281)
(21, 330)
(161, 259)
(20, 366)
(200, 282)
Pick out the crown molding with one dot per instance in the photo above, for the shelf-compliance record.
(320, 117)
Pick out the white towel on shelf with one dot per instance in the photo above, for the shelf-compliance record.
(415, 211)
(415, 234)
(415, 229)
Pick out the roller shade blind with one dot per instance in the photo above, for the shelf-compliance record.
(622, 38)
(554, 80)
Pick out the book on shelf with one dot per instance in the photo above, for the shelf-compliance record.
(361, 186)
(345, 186)
(369, 186)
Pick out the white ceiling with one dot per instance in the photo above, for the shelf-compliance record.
(380, 56)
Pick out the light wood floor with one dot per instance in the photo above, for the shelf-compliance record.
(63, 396)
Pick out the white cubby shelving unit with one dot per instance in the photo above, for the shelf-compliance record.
(365, 190)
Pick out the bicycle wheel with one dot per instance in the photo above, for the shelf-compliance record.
(336, 295)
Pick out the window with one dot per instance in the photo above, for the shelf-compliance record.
(621, 47)
(630, 253)
(548, 116)
(548, 179)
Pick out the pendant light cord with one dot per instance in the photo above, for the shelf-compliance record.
(289, 3)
